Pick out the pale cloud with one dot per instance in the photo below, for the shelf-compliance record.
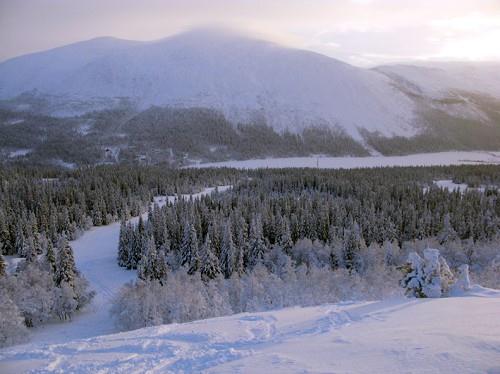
(363, 32)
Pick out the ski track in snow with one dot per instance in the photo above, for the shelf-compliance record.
(451, 335)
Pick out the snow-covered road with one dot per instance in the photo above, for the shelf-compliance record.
(450, 335)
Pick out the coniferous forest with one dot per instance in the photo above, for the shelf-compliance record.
(276, 238)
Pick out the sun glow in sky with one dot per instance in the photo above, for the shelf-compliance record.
(361, 32)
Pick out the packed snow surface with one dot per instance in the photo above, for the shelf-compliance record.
(448, 335)
(424, 159)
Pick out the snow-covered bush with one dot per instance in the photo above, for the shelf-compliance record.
(12, 327)
(490, 275)
(41, 290)
(463, 281)
(427, 277)
(184, 297)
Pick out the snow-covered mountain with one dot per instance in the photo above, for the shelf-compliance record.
(248, 80)
(438, 79)
(245, 78)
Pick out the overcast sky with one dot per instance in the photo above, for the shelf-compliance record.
(362, 32)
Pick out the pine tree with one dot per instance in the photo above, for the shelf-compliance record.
(20, 245)
(334, 260)
(29, 251)
(137, 244)
(50, 257)
(256, 244)
(5, 239)
(161, 267)
(352, 248)
(189, 249)
(239, 263)
(3, 266)
(146, 269)
(447, 233)
(227, 252)
(209, 267)
(285, 238)
(66, 268)
(123, 246)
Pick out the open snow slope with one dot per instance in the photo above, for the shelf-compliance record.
(439, 78)
(450, 335)
(424, 159)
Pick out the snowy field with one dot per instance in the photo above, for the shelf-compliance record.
(449, 335)
(424, 159)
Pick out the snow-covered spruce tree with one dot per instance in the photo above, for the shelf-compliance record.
(256, 244)
(189, 249)
(209, 266)
(426, 277)
(447, 233)
(66, 268)
(161, 268)
(50, 257)
(72, 291)
(146, 269)
(351, 252)
(12, 327)
(228, 253)
(285, 236)
(3, 265)
(123, 246)
(19, 240)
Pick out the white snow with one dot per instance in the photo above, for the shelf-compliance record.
(85, 128)
(451, 186)
(20, 152)
(438, 79)
(14, 121)
(448, 335)
(460, 187)
(162, 200)
(64, 164)
(12, 263)
(424, 159)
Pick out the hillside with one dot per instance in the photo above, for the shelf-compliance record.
(451, 335)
